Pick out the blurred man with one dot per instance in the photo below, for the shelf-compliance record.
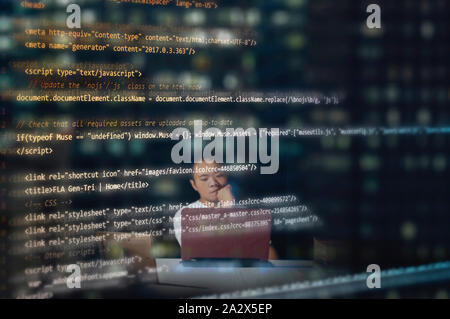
(212, 186)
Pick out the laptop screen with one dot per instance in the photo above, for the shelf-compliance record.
(225, 233)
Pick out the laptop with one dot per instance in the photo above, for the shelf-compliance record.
(225, 236)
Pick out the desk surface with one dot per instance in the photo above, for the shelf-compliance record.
(180, 280)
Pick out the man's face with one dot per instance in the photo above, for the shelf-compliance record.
(208, 181)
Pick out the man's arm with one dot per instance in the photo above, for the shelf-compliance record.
(272, 253)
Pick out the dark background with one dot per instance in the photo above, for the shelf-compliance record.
(385, 196)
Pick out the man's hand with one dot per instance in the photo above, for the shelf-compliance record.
(225, 197)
